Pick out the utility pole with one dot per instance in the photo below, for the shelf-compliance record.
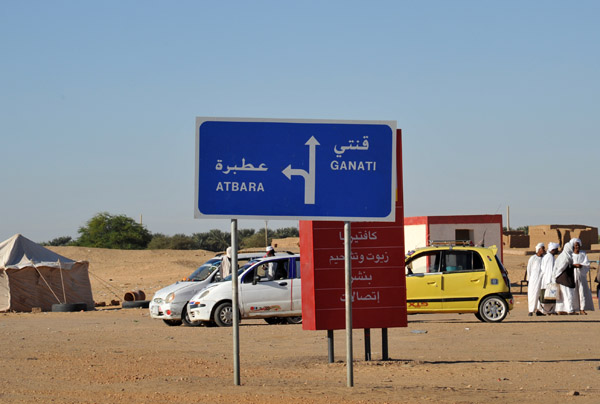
(266, 234)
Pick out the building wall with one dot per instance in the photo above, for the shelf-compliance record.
(561, 234)
(487, 230)
(515, 239)
(484, 234)
(415, 236)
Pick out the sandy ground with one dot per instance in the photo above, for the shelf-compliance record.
(123, 356)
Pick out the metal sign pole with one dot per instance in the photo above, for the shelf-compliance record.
(348, 298)
(234, 304)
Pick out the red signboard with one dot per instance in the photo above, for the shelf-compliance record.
(378, 279)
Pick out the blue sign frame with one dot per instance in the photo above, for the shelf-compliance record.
(295, 169)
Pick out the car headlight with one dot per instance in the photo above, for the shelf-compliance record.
(203, 294)
(170, 297)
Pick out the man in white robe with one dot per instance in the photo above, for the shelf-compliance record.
(226, 264)
(546, 277)
(564, 262)
(534, 279)
(583, 294)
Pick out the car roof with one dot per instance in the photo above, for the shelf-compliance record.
(258, 253)
(263, 259)
(491, 249)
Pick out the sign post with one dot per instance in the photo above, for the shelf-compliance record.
(348, 302)
(295, 170)
(235, 304)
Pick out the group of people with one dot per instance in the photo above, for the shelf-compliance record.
(270, 271)
(559, 285)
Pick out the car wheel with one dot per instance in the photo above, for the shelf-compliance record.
(294, 320)
(223, 316)
(493, 309)
(172, 323)
(185, 318)
(273, 320)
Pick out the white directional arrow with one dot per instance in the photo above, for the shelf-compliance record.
(309, 177)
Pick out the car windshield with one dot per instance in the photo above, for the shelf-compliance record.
(205, 270)
(242, 269)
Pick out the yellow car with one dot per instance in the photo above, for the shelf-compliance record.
(451, 278)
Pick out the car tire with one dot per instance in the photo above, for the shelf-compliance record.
(69, 307)
(273, 320)
(172, 323)
(223, 315)
(136, 304)
(294, 320)
(493, 309)
(185, 318)
(479, 317)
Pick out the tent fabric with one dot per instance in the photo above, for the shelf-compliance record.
(33, 276)
(19, 252)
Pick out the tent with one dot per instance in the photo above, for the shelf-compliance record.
(33, 276)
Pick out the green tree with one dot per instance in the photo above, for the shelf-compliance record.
(257, 239)
(182, 242)
(159, 242)
(244, 233)
(286, 232)
(59, 241)
(113, 231)
(214, 240)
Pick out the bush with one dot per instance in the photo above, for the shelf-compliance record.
(214, 240)
(59, 241)
(113, 231)
(176, 242)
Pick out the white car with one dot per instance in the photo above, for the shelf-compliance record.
(169, 303)
(269, 288)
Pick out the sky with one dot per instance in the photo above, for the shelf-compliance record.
(497, 102)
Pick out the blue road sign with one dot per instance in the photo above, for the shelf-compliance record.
(300, 169)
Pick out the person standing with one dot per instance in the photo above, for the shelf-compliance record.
(534, 276)
(583, 293)
(563, 275)
(226, 264)
(270, 270)
(546, 274)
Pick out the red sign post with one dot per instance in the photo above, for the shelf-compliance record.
(378, 278)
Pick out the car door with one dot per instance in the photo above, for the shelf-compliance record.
(296, 297)
(463, 280)
(261, 296)
(424, 282)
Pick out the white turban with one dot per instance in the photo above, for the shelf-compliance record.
(575, 240)
(553, 246)
(539, 246)
(228, 252)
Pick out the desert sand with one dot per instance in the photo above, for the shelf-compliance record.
(115, 355)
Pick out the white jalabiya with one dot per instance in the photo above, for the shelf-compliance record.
(582, 288)
(534, 276)
(546, 278)
(566, 300)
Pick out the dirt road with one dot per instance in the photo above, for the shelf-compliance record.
(123, 356)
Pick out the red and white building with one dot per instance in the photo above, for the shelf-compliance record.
(482, 230)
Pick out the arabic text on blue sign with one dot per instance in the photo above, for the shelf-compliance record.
(317, 170)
